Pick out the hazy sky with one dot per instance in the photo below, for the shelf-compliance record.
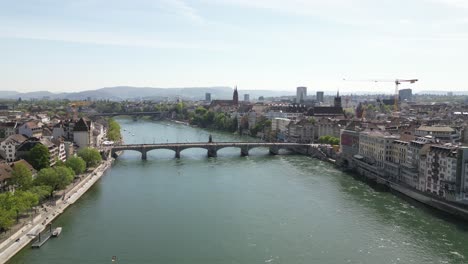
(65, 45)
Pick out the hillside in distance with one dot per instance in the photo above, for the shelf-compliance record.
(120, 93)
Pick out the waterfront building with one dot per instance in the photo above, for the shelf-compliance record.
(208, 97)
(396, 157)
(82, 133)
(301, 94)
(441, 171)
(462, 173)
(375, 146)
(349, 143)
(252, 119)
(280, 127)
(301, 131)
(98, 134)
(329, 127)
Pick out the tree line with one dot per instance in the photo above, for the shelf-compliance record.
(214, 120)
(113, 131)
(30, 191)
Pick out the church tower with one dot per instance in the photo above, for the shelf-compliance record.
(235, 97)
(337, 102)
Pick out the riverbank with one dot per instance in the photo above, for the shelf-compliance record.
(460, 211)
(25, 235)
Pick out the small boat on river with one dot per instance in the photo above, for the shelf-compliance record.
(57, 232)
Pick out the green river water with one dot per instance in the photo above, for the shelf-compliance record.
(232, 209)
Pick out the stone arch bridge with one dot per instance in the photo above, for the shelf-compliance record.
(213, 147)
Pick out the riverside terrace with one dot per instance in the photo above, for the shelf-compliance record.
(213, 147)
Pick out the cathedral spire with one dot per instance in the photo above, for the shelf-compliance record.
(235, 96)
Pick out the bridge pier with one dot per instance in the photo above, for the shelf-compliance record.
(144, 155)
(177, 153)
(274, 150)
(212, 153)
(244, 151)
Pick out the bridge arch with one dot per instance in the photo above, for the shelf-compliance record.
(164, 150)
(244, 150)
(205, 149)
(113, 153)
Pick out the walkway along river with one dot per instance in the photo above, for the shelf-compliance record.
(232, 209)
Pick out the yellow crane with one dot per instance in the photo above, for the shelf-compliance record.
(397, 83)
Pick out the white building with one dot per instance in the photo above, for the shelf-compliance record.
(31, 129)
(8, 146)
(441, 171)
(98, 134)
(82, 133)
(280, 124)
(376, 146)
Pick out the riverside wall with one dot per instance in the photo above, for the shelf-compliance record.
(453, 208)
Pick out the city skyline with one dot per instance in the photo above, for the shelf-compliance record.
(65, 46)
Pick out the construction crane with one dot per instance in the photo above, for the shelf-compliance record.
(397, 83)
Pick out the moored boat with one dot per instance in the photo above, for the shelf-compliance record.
(57, 232)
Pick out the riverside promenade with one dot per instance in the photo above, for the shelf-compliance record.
(25, 235)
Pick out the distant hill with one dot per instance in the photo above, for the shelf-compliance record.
(128, 92)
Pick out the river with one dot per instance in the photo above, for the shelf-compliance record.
(232, 209)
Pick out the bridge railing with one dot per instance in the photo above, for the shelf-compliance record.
(213, 144)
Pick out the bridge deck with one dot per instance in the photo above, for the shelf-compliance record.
(214, 144)
(214, 147)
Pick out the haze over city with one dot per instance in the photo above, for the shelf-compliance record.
(73, 46)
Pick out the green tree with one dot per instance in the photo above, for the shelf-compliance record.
(113, 132)
(179, 107)
(41, 191)
(65, 177)
(39, 157)
(6, 218)
(24, 201)
(77, 164)
(91, 156)
(21, 177)
(200, 110)
(56, 178)
(18, 202)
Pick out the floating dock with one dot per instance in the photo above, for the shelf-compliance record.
(42, 238)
